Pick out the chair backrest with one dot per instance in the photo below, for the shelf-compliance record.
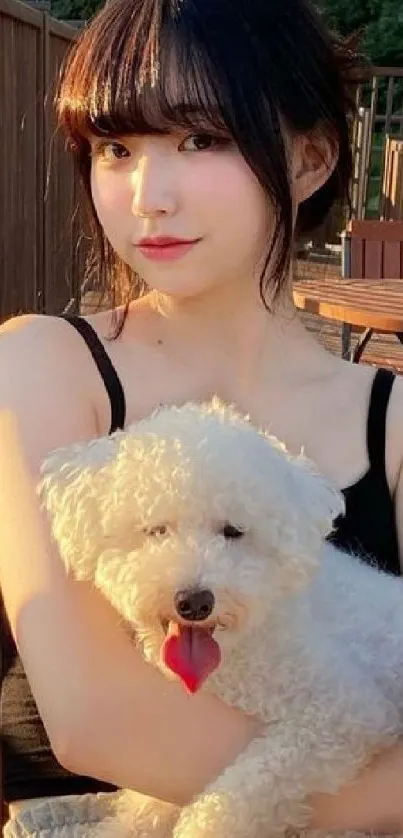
(375, 249)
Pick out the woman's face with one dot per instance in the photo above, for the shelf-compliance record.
(191, 186)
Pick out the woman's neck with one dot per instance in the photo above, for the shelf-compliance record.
(244, 345)
(231, 314)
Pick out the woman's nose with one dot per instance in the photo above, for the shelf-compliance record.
(152, 187)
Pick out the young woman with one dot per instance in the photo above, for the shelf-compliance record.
(209, 134)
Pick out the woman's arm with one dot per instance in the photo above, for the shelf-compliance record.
(108, 713)
(373, 803)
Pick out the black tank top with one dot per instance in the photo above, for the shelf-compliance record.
(29, 766)
(369, 524)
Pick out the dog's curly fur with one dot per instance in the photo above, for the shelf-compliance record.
(311, 638)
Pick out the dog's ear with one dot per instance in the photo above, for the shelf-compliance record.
(73, 483)
(320, 501)
(309, 505)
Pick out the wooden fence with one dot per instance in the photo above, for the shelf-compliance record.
(40, 260)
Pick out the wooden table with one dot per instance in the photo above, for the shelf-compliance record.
(374, 305)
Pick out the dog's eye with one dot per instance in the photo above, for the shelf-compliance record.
(159, 529)
(231, 533)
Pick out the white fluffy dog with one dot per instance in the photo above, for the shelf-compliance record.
(209, 540)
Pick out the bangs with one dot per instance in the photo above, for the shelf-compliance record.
(137, 70)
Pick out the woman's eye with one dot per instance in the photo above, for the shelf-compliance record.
(203, 142)
(231, 533)
(111, 152)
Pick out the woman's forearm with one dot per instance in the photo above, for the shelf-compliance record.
(144, 732)
(158, 740)
(374, 802)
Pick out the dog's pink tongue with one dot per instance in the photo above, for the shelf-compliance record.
(191, 653)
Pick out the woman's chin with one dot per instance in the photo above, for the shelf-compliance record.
(180, 290)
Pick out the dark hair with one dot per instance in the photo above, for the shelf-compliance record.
(248, 66)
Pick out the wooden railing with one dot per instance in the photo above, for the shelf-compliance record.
(379, 102)
(392, 189)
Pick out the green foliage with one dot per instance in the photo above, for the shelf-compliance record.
(75, 9)
(381, 23)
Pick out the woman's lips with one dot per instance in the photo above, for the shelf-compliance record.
(166, 252)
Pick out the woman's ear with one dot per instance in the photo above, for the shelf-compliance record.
(314, 157)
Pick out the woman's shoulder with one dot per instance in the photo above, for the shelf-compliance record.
(31, 344)
(47, 381)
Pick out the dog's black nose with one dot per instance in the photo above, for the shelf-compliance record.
(194, 604)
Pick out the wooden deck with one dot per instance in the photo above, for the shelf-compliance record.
(382, 350)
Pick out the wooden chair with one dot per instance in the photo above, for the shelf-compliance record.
(370, 250)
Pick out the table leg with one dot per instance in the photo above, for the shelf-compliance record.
(346, 341)
(360, 345)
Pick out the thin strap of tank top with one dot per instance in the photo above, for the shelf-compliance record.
(377, 411)
(112, 382)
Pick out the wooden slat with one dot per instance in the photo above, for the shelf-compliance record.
(392, 260)
(21, 12)
(371, 294)
(392, 187)
(357, 257)
(373, 263)
(376, 230)
(358, 302)
(62, 30)
(388, 71)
